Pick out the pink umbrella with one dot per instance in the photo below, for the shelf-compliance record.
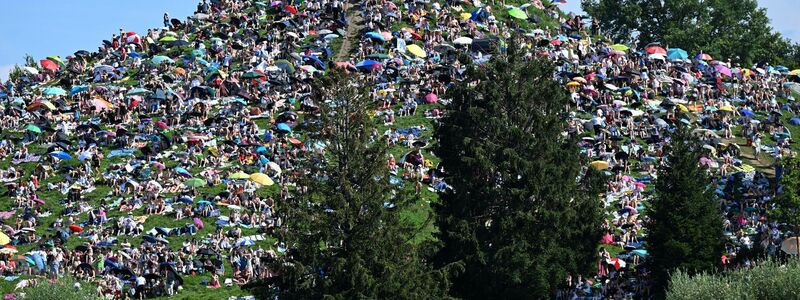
(631, 210)
(640, 185)
(431, 98)
(162, 125)
(387, 35)
(198, 223)
(723, 70)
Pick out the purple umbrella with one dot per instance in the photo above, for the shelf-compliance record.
(723, 70)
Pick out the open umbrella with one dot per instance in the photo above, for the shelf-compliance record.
(703, 56)
(416, 50)
(167, 39)
(194, 182)
(77, 89)
(722, 69)
(261, 179)
(49, 64)
(75, 228)
(462, 41)
(239, 175)
(518, 13)
(4, 239)
(620, 47)
(33, 128)
(283, 127)
(677, 53)
(368, 65)
(375, 36)
(159, 59)
(60, 155)
(54, 91)
(138, 91)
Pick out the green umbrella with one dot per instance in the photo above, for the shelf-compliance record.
(33, 128)
(252, 75)
(239, 175)
(167, 39)
(194, 182)
(285, 65)
(137, 91)
(518, 13)
(57, 60)
(620, 47)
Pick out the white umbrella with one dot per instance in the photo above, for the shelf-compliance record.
(275, 167)
(32, 71)
(463, 41)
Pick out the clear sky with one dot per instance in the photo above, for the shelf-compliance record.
(58, 27)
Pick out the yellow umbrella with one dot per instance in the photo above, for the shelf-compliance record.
(466, 16)
(261, 179)
(599, 165)
(416, 50)
(573, 83)
(794, 72)
(4, 239)
(726, 108)
(682, 108)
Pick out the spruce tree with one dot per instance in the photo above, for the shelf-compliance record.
(344, 232)
(517, 222)
(686, 223)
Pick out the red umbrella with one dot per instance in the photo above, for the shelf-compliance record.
(162, 125)
(655, 49)
(49, 64)
(75, 228)
(556, 42)
(291, 9)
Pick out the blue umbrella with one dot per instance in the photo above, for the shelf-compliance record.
(747, 112)
(640, 252)
(134, 55)
(794, 121)
(375, 36)
(61, 155)
(77, 89)
(161, 59)
(368, 65)
(149, 239)
(677, 53)
(315, 60)
(186, 199)
(55, 91)
(183, 171)
(283, 127)
(261, 150)
(246, 243)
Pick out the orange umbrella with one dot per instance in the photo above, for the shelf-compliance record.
(180, 71)
(75, 228)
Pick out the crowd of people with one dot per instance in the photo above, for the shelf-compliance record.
(162, 154)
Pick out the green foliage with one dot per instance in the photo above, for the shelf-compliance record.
(768, 280)
(686, 230)
(517, 221)
(63, 289)
(30, 61)
(345, 242)
(787, 204)
(738, 30)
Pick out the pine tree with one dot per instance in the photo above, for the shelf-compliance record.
(517, 222)
(346, 237)
(686, 228)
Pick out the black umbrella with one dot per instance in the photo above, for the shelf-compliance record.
(82, 53)
(175, 22)
(152, 277)
(82, 248)
(206, 251)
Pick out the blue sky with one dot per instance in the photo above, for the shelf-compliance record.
(58, 27)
